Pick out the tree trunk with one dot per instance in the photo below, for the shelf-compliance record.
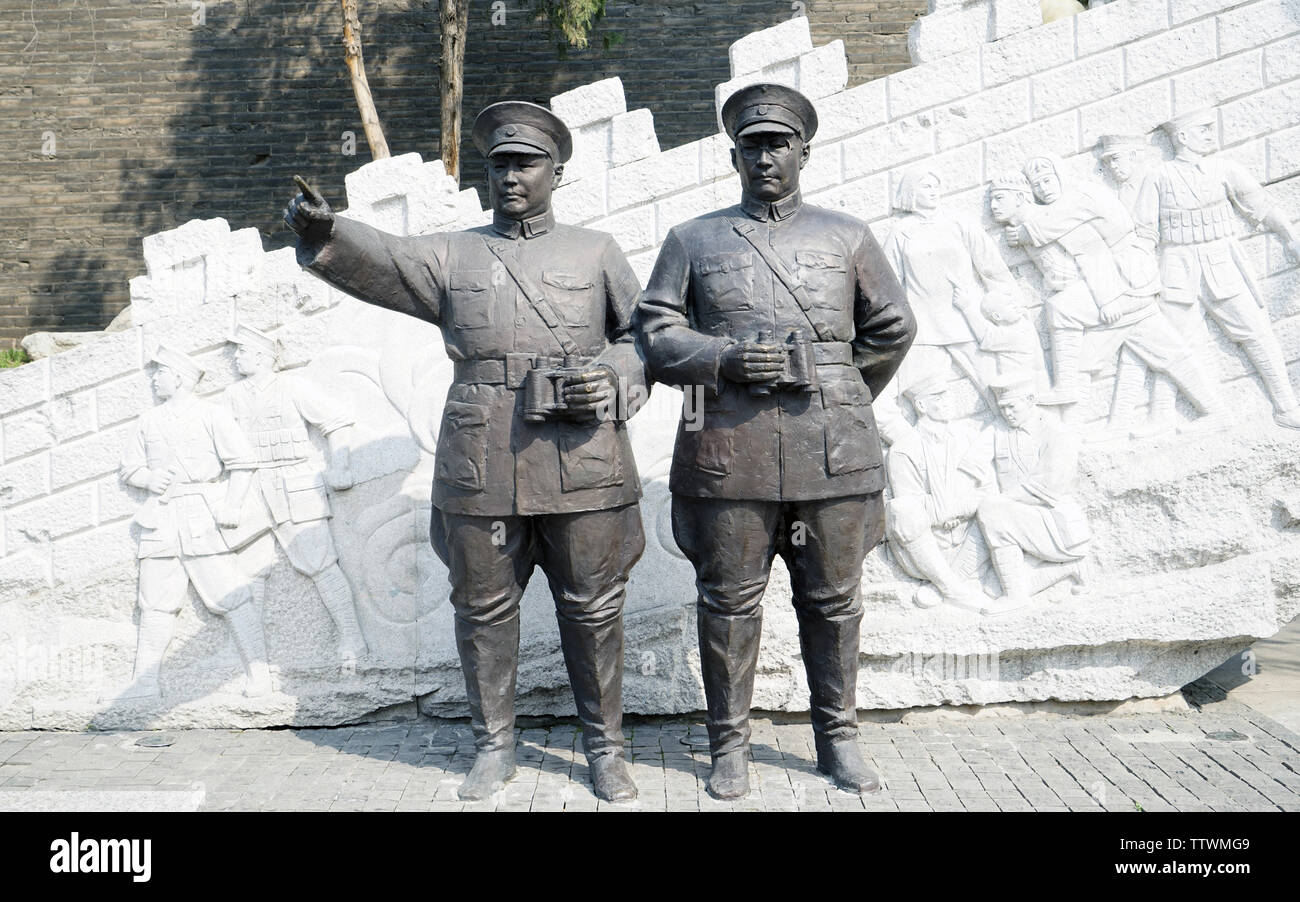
(361, 87)
(454, 22)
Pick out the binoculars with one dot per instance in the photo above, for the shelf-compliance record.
(800, 373)
(544, 390)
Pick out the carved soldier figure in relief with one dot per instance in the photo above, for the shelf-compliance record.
(791, 319)
(275, 410)
(192, 524)
(1104, 305)
(937, 478)
(1034, 510)
(533, 464)
(948, 266)
(1189, 205)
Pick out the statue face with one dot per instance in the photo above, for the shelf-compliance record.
(165, 382)
(1198, 138)
(520, 184)
(1017, 410)
(933, 405)
(1047, 186)
(1004, 202)
(927, 194)
(250, 361)
(1121, 164)
(769, 164)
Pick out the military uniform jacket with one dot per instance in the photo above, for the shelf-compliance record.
(490, 461)
(710, 288)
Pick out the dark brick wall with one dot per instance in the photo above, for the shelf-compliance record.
(157, 120)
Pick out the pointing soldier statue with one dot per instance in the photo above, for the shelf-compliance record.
(1189, 204)
(533, 464)
(275, 410)
(792, 321)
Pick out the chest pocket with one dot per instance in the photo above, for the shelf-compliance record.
(471, 295)
(822, 274)
(727, 281)
(573, 296)
(852, 443)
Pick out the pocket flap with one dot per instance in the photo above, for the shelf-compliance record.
(567, 281)
(460, 414)
(835, 394)
(723, 263)
(304, 482)
(470, 280)
(819, 260)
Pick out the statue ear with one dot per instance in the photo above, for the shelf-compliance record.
(559, 174)
(803, 155)
(735, 161)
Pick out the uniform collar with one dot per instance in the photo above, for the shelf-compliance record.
(529, 228)
(779, 210)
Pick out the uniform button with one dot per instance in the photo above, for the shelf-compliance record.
(519, 321)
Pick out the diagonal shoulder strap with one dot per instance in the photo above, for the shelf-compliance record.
(777, 265)
(536, 298)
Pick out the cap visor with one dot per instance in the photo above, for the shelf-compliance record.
(519, 147)
(773, 128)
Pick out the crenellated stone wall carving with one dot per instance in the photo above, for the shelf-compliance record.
(1175, 543)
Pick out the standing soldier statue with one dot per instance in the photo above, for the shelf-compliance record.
(192, 524)
(275, 410)
(792, 321)
(1189, 204)
(533, 463)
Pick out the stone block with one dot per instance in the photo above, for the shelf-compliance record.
(72, 415)
(762, 49)
(858, 108)
(1036, 50)
(1119, 23)
(49, 517)
(634, 230)
(632, 137)
(932, 84)
(1283, 154)
(1083, 82)
(715, 157)
(1011, 16)
(1282, 61)
(1169, 52)
(1269, 110)
(643, 264)
(578, 203)
(1251, 155)
(663, 174)
(866, 198)
(1257, 24)
(85, 458)
(164, 251)
(1058, 135)
(824, 168)
(117, 500)
(940, 35)
(680, 207)
(27, 432)
(1213, 84)
(1185, 10)
(591, 151)
(24, 480)
(115, 354)
(823, 72)
(959, 169)
(987, 113)
(781, 74)
(590, 103)
(102, 554)
(888, 145)
(26, 385)
(24, 574)
(1136, 111)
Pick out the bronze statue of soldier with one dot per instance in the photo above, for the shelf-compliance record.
(791, 319)
(533, 465)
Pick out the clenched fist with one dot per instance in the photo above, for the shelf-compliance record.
(749, 361)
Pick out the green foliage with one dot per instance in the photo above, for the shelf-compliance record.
(574, 19)
(13, 357)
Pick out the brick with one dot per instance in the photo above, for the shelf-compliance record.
(1074, 85)
(689, 204)
(24, 480)
(987, 113)
(1119, 23)
(824, 167)
(1283, 154)
(97, 455)
(1282, 61)
(632, 137)
(117, 500)
(1213, 84)
(23, 386)
(888, 146)
(933, 83)
(1173, 51)
(958, 169)
(27, 432)
(823, 72)
(1133, 112)
(1269, 110)
(1257, 24)
(1058, 135)
(1028, 52)
(114, 354)
(123, 399)
(578, 203)
(858, 108)
(784, 41)
(590, 103)
(1185, 10)
(866, 198)
(71, 415)
(634, 230)
(49, 518)
(666, 173)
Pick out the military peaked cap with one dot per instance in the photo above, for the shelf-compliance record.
(771, 108)
(516, 126)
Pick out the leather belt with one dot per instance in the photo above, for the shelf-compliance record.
(832, 352)
(510, 371)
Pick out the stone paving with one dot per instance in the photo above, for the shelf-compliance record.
(1223, 757)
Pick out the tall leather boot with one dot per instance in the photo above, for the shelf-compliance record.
(728, 659)
(1266, 355)
(934, 566)
(1067, 379)
(152, 639)
(1009, 562)
(1130, 380)
(336, 596)
(1164, 395)
(830, 658)
(593, 655)
(250, 638)
(489, 657)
